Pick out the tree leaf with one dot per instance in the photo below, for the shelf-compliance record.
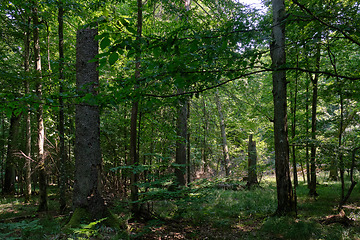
(105, 43)
(113, 58)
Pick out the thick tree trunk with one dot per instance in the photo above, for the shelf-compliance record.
(226, 157)
(88, 162)
(252, 162)
(62, 157)
(286, 202)
(181, 131)
(40, 121)
(9, 181)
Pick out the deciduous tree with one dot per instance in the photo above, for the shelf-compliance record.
(286, 202)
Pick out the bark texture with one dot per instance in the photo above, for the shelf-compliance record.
(181, 130)
(286, 203)
(88, 185)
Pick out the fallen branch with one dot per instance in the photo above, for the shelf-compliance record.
(339, 218)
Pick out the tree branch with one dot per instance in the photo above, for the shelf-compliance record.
(302, 7)
(207, 88)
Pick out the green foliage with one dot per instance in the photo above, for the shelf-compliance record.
(40, 228)
(221, 208)
(213, 212)
(215, 42)
(8, 230)
(88, 230)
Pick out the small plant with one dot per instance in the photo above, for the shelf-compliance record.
(87, 230)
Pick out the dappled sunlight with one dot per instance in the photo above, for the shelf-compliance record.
(180, 119)
(14, 207)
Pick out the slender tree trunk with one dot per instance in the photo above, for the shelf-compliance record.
(28, 113)
(293, 133)
(302, 171)
(134, 156)
(333, 163)
(204, 150)
(226, 157)
(312, 186)
(252, 162)
(286, 201)
(188, 148)
(48, 47)
(341, 160)
(9, 181)
(181, 128)
(41, 131)
(28, 154)
(2, 148)
(344, 198)
(134, 159)
(124, 173)
(62, 157)
(88, 162)
(307, 136)
(138, 140)
(333, 176)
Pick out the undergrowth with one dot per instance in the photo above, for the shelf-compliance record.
(201, 211)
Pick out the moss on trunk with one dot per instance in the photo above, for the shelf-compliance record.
(83, 216)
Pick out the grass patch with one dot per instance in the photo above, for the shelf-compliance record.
(290, 228)
(204, 211)
(248, 212)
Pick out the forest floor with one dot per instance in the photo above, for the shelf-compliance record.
(205, 212)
